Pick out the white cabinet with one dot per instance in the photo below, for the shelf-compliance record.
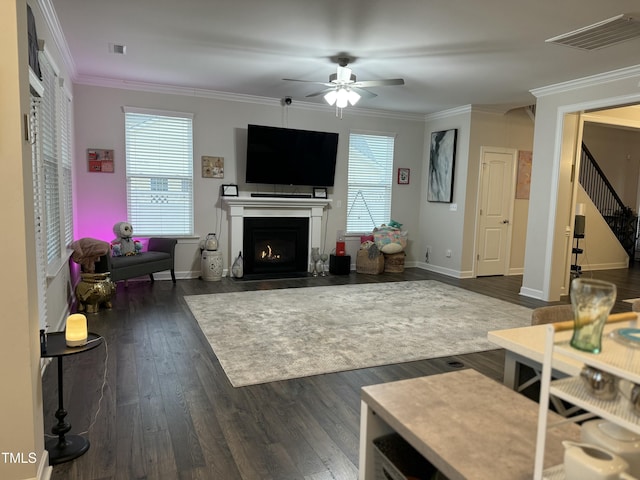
(618, 359)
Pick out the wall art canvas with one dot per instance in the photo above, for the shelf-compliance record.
(442, 157)
(523, 184)
(212, 167)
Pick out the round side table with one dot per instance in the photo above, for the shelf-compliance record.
(65, 447)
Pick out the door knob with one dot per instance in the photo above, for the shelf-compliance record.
(505, 221)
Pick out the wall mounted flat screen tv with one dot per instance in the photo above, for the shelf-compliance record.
(286, 156)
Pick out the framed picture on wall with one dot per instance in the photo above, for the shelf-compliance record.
(212, 167)
(100, 160)
(403, 176)
(442, 159)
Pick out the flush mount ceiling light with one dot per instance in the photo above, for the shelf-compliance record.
(343, 89)
(603, 34)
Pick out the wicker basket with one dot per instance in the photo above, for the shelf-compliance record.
(394, 262)
(369, 266)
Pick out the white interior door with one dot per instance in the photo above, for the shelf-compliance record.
(497, 184)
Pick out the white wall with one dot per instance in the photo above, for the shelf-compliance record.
(551, 189)
(220, 130)
(442, 229)
(617, 151)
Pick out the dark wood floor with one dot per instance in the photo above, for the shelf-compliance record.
(169, 412)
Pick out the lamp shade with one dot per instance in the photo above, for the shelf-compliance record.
(342, 98)
(353, 97)
(331, 97)
(76, 330)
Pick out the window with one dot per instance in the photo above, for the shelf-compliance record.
(50, 155)
(369, 182)
(53, 146)
(159, 153)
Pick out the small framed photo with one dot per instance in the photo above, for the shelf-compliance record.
(230, 190)
(403, 176)
(319, 192)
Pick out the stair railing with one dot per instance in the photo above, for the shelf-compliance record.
(620, 218)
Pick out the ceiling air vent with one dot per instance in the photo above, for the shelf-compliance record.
(609, 32)
(117, 49)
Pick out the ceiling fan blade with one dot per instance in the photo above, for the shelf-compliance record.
(307, 81)
(364, 93)
(321, 92)
(380, 83)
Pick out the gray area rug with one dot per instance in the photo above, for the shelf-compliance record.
(270, 335)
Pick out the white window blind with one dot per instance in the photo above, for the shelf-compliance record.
(40, 254)
(159, 156)
(369, 181)
(50, 144)
(66, 165)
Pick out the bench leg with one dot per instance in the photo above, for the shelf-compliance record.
(173, 276)
(151, 277)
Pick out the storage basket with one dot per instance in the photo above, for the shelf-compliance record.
(394, 262)
(395, 459)
(373, 266)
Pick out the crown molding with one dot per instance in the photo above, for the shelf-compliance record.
(234, 97)
(452, 112)
(51, 19)
(590, 81)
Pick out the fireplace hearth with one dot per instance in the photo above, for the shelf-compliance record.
(275, 247)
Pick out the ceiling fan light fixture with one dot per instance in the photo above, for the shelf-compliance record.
(353, 97)
(343, 75)
(331, 97)
(342, 98)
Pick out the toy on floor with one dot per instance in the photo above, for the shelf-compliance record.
(124, 244)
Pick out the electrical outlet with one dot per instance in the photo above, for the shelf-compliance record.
(449, 253)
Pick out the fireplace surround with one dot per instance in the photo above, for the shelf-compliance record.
(239, 208)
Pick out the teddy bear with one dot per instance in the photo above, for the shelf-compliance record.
(124, 244)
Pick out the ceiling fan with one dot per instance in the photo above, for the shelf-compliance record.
(343, 88)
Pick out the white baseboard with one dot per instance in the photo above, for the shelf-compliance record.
(44, 469)
(530, 292)
(444, 271)
(604, 266)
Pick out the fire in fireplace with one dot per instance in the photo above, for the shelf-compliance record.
(275, 247)
(268, 255)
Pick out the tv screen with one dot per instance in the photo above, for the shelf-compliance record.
(286, 156)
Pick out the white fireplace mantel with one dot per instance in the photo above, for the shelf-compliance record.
(241, 207)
